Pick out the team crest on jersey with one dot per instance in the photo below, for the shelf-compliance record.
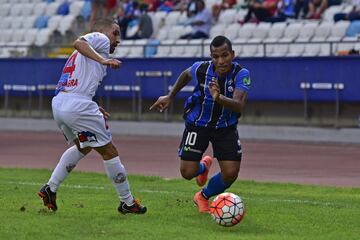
(86, 136)
(230, 89)
(247, 81)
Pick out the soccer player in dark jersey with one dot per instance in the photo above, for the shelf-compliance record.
(211, 115)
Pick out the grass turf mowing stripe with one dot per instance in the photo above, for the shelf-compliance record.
(273, 211)
(293, 201)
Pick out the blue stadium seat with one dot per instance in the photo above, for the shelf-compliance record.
(63, 9)
(86, 10)
(41, 22)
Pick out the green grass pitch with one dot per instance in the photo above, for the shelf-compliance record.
(87, 210)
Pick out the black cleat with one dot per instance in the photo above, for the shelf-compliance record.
(135, 208)
(48, 197)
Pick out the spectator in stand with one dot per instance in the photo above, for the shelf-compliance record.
(301, 8)
(217, 8)
(152, 5)
(286, 9)
(191, 8)
(111, 7)
(200, 22)
(351, 16)
(182, 5)
(316, 8)
(129, 11)
(263, 10)
(167, 5)
(101, 8)
(145, 29)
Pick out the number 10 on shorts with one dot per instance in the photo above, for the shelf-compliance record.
(191, 139)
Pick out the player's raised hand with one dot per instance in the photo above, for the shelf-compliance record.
(113, 63)
(104, 112)
(214, 89)
(162, 103)
(106, 116)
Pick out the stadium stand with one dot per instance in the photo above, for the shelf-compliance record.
(39, 28)
(32, 24)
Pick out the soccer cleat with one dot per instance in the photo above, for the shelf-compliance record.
(201, 202)
(202, 178)
(135, 208)
(48, 197)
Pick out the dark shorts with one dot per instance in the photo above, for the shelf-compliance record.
(225, 143)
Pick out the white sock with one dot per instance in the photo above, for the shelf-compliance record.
(117, 174)
(67, 162)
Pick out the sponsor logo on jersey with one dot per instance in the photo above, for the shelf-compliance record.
(189, 149)
(247, 81)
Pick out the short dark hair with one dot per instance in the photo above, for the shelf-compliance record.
(102, 24)
(219, 41)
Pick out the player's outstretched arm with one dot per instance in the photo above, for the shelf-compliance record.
(163, 102)
(85, 49)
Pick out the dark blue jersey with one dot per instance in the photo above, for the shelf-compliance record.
(200, 109)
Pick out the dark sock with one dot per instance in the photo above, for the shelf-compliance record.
(201, 169)
(215, 186)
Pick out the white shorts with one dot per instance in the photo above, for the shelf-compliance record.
(79, 117)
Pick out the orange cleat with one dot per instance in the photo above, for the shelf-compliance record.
(202, 178)
(201, 202)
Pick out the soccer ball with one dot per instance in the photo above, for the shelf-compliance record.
(227, 209)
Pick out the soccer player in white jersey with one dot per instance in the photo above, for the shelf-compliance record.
(82, 121)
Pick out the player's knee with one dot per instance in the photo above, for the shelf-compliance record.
(230, 176)
(108, 151)
(85, 151)
(187, 173)
(110, 154)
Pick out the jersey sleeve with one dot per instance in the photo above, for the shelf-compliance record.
(194, 67)
(98, 41)
(242, 80)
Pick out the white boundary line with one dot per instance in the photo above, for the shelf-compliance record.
(292, 201)
(62, 185)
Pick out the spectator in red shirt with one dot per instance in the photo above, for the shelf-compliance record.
(316, 8)
(217, 8)
(263, 11)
